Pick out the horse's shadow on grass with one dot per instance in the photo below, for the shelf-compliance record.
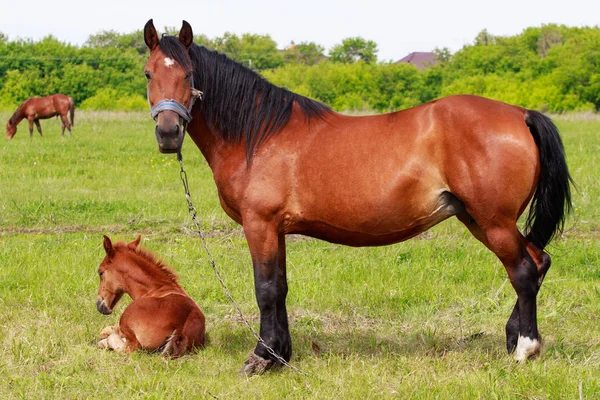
(420, 343)
(417, 344)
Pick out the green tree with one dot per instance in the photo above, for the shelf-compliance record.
(354, 49)
(107, 39)
(305, 53)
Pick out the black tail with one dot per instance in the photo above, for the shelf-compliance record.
(72, 111)
(552, 199)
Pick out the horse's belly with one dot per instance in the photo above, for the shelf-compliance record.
(377, 223)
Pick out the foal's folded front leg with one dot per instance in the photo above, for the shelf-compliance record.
(111, 338)
(107, 331)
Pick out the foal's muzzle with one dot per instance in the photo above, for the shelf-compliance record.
(102, 307)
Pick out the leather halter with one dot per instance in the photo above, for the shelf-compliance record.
(173, 105)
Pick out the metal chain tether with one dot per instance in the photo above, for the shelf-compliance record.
(193, 213)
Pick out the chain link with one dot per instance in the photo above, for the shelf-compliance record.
(193, 213)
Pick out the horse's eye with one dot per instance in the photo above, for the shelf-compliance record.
(100, 273)
(189, 75)
(148, 75)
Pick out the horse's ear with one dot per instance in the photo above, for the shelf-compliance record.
(150, 35)
(186, 36)
(133, 245)
(108, 247)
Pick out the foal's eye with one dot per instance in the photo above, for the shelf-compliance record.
(148, 75)
(188, 75)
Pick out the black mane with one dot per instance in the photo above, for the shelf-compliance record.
(238, 102)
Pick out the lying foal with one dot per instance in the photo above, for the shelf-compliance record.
(162, 317)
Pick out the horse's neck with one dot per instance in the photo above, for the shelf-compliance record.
(214, 149)
(142, 281)
(17, 116)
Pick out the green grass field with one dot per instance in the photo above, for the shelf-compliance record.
(420, 319)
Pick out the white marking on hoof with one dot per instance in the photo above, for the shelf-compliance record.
(526, 348)
(169, 61)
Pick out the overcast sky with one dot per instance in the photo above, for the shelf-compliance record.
(398, 27)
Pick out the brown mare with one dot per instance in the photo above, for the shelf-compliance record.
(162, 317)
(286, 164)
(37, 108)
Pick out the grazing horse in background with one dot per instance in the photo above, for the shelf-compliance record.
(162, 317)
(37, 108)
(284, 164)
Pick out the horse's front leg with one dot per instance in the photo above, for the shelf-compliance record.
(30, 127)
(38, 126)
(267, 248)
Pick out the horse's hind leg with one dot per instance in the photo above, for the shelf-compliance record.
(543, 261)
(523, 274)
(526, 277)
(38, 126)
(65, 124)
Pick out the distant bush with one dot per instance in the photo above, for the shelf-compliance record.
(550, 68)
(110, 99)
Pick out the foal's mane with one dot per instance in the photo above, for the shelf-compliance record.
(148, 256)
(238, 103)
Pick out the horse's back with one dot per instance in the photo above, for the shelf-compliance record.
(381, 179)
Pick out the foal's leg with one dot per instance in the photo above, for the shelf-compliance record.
(38, 126)
(267, 248)
(120, 340)
(107, 331)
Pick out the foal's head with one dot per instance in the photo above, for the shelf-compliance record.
(169, 73)
(110, 270)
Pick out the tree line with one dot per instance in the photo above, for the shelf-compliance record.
(550, 68)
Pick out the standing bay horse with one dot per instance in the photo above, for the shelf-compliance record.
(162, 317)
(287, 164)
(37, 108)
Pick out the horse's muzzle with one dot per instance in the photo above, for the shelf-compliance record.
(169, 138)
(102, 307)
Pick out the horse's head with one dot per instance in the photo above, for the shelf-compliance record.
(171, 94)
(111, 287)
(11, 130)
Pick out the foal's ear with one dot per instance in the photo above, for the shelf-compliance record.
(133, 245)
(186, 36)
(108, 247)
(150, 35)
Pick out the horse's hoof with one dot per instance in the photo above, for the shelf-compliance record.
(527, 348)
(256, 365)
(102, 344)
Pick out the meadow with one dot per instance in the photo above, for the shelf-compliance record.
(420, 319)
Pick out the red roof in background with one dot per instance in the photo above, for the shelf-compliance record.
(419, 59)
